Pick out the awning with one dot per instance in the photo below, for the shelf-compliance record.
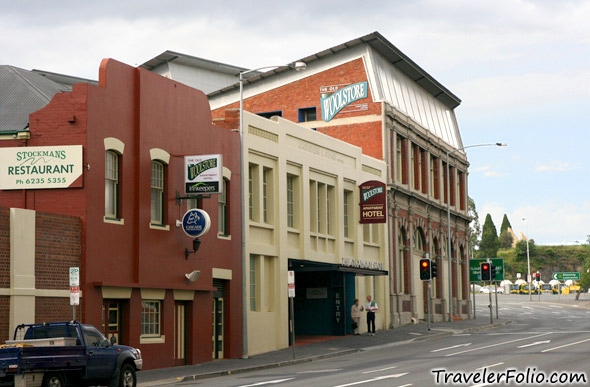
(299, 265)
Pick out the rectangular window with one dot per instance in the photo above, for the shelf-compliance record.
(307, 114)
(322, 211)
(157, 212)
(347, 214)
(150, 318)
(222, 211)
(253, 282)
(267, 195)
(253, 190)
(290, 201)
(313, 210)
(111, 186)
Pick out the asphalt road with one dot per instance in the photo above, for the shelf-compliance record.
(546, 344)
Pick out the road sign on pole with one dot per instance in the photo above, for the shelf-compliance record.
(475, 269)
(566, 275)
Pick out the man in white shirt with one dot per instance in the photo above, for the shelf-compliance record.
(371, 307)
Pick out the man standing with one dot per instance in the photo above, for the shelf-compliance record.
(371, 307)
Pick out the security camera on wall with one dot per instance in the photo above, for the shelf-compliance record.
(192, 276)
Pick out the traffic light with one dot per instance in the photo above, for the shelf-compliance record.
(486, 271)
(425, 272)
(492, 272)
(538, 277)
(433, 268)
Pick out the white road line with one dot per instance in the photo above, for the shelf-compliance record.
(320, 371)
(535, 343)
(267, 382)
(380, 370)
(372, 380)
(566, 345)
(495, 345)
(453, 347)
(490, 366)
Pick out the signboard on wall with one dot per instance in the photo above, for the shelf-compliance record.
(41, 167)
(335, 98)
(203, 174)
(373, 202)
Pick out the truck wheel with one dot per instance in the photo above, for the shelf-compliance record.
(127, 376)
(53, 380)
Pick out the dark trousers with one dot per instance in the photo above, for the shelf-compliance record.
(371, 322)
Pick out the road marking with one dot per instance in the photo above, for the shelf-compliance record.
(453, 347)
(267, 382)
(495, 345)
(490, 366)
(382, 369)
(373, 380)
(566, 345)
(320, 371)
(535, 343)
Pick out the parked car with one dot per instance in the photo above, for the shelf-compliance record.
(524, 289)
(491, 289)
(514, 289)
(546, 288)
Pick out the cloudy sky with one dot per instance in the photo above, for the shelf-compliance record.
(520, 67)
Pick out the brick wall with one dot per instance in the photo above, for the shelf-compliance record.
(57, 248)
(54, 309)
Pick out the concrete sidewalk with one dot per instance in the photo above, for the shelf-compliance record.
(328, 347)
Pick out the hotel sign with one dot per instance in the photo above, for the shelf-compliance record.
(203, 174)
(373, 202)
(333, 103)
(41, 167)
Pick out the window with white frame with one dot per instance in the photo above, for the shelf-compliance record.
(157, 186)
(223, 210)
(150, 318)
(254, 276)
(267, 195)
(111, 186)
(322, 209)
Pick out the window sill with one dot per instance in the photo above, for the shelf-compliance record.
(152, 340)
(159, 227)
(120, 222)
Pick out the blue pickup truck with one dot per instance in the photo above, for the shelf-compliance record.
(66, 354)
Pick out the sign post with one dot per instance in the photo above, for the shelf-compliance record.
(74, 289)
(566, 275)
(291, 286)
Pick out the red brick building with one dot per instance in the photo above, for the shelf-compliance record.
(120, 220)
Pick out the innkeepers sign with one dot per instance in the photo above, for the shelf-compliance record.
(41, 167)
(373, 202)
(203, 174)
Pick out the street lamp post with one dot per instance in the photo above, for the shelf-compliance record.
(244, 171)
(528, 260)
(450, 264)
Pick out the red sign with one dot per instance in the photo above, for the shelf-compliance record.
(373, 202)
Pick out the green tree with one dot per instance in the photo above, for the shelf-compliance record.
(490, 244)
(505, 224)
(520, 250)
(474, 226)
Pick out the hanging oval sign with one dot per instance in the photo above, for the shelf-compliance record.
(196, 223)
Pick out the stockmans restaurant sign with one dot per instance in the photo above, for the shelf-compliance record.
(203, 174)
(373, 202)
(41, 167)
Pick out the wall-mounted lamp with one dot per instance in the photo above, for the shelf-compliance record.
(196, 245)
(192, 276)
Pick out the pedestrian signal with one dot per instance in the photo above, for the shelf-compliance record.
(433, 269)
(486, 271)
(425, 269)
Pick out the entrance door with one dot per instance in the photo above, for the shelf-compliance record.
(180, 334)
(112, 319)
(217, 337)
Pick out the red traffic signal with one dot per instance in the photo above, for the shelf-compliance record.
(538, 277)
(425, 269)
(486, 271)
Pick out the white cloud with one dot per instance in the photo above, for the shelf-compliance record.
(555, 166)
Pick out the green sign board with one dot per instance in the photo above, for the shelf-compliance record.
(475, 271)
(566, 275)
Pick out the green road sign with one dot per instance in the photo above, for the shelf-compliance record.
(566, 275)
(475, 270)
